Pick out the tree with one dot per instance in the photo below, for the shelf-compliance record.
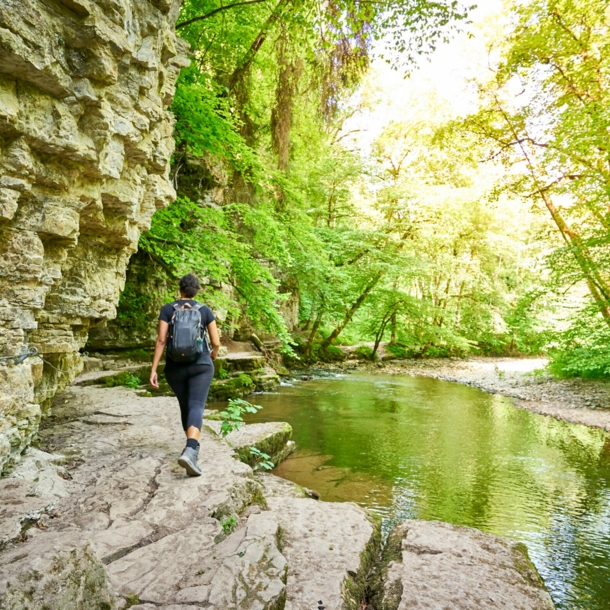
(545, 114)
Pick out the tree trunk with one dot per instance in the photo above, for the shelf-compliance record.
(351, 311)
(281, 115)
(393, 327)
(379, 335)
(313, 333)
(246, 62)
(597, 286)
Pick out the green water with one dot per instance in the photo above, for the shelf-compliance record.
(420, 448)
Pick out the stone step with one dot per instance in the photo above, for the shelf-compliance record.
(430, 564)
(240, 361)
(272, 438)
(330, 548)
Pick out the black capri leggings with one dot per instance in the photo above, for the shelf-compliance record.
(191, 384)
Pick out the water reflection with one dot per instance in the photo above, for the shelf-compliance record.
(420, 448)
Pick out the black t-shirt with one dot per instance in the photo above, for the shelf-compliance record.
(207, 317)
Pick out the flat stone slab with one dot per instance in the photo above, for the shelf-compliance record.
(242, 361)
(432, 565)
(330, 549)
(59, 571)
(272, 438)
(18, 508)
(122, 502)
(274, 486)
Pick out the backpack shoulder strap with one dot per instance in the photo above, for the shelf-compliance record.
(177, 308)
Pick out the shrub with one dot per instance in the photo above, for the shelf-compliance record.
(125, 379)
(331, 353)
(399, 351)
(244, 380)
(228, 524)
(583, 350)
(364, 352)
(232, 417)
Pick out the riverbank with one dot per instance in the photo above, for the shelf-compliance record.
(99, 515)
(578, 401)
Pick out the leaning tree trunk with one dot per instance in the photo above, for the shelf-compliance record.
(351, 311)
(312, 335)
(598, 287)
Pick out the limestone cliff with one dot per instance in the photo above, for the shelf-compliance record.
(85, 144)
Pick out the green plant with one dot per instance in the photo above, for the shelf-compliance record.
(228, 524)
(138, 354)
(279, 537)
(398, 351)
(125, 379)
(364, 352)
(131, 600)
(330, 353)
(223, 374)
(583, 350)
(232, 415)
(244, 380)
(262, 459)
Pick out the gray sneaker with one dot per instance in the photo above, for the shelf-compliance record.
(188, 461)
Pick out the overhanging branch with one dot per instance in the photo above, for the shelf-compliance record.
(217, 10)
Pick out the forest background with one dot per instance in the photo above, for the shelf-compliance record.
(315, 161)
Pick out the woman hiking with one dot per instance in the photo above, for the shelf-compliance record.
(188, 362)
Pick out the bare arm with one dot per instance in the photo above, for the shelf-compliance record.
(159, 347)
(214, 339)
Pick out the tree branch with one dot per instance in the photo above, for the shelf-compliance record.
(217, 10)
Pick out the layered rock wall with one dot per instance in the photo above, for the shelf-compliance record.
(85, 144)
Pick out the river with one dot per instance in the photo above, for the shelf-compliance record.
(417, 448)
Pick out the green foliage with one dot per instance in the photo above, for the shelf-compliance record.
(131, 599)
(130, 308)
(399, 351)
(584, 349)
(233, 415)
(271, 142)
(244, 380)
(205, 125)
(551, 133)
(330, 353)
(137, 354)
(411, 241)
(364, 352)
(125, 379)
(223, 374)
(187, 237)
(229, 524)
(261, 458)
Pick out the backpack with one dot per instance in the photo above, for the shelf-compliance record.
(186, 336)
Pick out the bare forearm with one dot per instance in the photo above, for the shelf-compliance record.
(159, 347)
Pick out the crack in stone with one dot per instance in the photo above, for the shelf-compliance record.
(153, 486)
(90, 422)
(107, 414)
(421, 550)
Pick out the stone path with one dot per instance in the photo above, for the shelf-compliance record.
(105, 516)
